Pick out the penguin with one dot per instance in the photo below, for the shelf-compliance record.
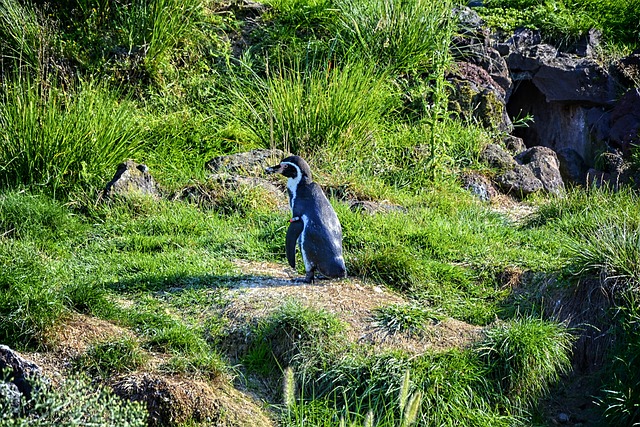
(314, 224)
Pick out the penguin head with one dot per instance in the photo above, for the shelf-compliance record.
(293, 167)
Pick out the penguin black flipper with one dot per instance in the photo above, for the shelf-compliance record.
(293, 233)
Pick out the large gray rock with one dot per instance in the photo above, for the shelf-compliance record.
(478, 185)
(568, 79)
(519, 182)
(132, 178)
(250, 163)
(543, 162)
(572, 166)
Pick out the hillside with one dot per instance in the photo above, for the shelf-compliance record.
(481, 160)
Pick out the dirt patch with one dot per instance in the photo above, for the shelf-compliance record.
(268, 285)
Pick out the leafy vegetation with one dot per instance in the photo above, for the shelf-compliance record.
(358, 88)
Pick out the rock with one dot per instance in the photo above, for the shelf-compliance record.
(572, 166)
(524, 62)
(543, 162)
(519, 182)
(566, 79)
(18, 371)
(479, 185)
(173, 401)
(563, 418)
(251, 163)
(132, 178)
(10, 394)
(475, 95)
(494, 156)
(625, 121)
(627, 70)
(371, 207)
(514, 144)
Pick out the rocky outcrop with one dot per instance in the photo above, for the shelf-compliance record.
(132, 178)
(573, 99)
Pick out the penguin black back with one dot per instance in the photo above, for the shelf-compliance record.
(314, 224)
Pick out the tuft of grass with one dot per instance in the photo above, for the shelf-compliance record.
(412, 318)
(112, 357)
(611, 251)
(526, 356)
(291, 331)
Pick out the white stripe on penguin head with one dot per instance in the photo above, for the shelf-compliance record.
(292, 183)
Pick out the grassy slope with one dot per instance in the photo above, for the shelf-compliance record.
(160, 269)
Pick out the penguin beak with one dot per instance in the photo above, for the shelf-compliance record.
(274, 169)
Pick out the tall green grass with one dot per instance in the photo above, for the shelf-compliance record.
(59, 140)
(407, 36)
(307, 109)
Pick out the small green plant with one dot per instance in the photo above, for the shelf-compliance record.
(412, 318)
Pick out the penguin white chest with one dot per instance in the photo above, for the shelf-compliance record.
(292, 185)
(305, 259)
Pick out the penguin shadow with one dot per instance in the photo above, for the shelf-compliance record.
(287, 279)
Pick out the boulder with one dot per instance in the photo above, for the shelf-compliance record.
(475, 95)
(519, 182)
(494, 156)
(627, 70)
(250, 163)
(543, 162)
(625, 121)
(569, 79)
(132, 178)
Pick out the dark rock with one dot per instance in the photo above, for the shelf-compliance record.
(477, 96)
(490, 60)
(519, 182)
(251, 163)
(494, 156)
(529, 59)
(514, 144)
(627, 70)
(371, 207)
(523, 38)
(479, 185)
(543, 162)
(572, 166)
(132, 178)
(566, 79)
(625, 121)
(18, 371)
